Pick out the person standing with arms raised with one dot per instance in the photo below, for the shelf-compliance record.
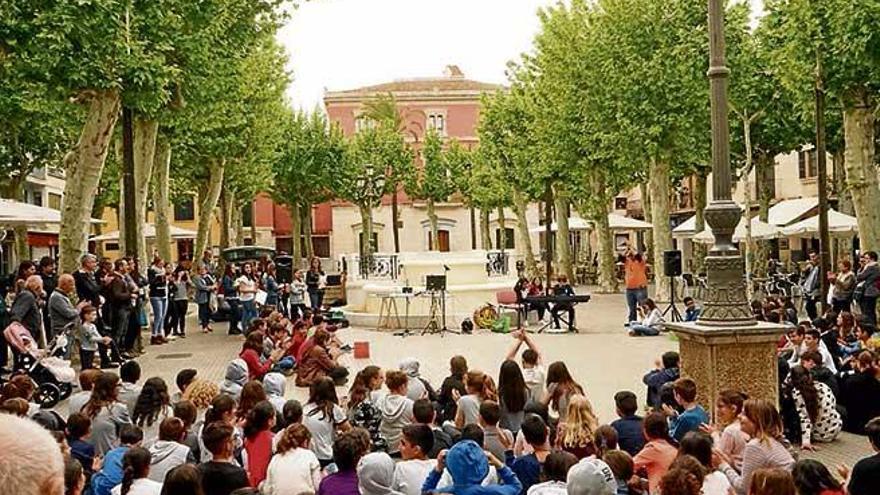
(635, 275)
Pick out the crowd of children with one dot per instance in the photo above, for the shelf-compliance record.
(529, 429)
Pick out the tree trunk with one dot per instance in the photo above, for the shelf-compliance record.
(699, 249)
(485, 234)
(522, 228)
(395, 231)
(237, 227)
(502, 231)
(563, 244)
(366, 247)
(598, 213)
(296, 234)
(145, 132)
(765, 179)
(306, 225)
(659, 188)
(649, 217)
(21, 248)
(207, 204)
(84, 166)
(253, 220)
(161, 204)
(843, 245)
(226, 214)
(435, 231)
(861, 174)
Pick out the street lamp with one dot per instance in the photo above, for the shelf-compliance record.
(372, 185)
(726, 303)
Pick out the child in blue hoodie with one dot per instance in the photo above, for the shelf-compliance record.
(469, 465)
(110, 472)
(693, 415)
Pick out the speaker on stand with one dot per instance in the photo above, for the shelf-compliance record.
(672, 269)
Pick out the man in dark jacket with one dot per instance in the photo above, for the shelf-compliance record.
(120, 301)
(88, 288)
(50, 281)
(665, 371)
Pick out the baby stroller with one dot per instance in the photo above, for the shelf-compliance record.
(52, 374)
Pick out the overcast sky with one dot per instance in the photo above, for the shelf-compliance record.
(344, 44)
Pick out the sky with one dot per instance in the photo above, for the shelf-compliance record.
(345, 44)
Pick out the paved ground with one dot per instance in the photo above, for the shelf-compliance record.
(601, 357)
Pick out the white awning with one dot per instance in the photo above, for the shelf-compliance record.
(615, 222)
(686, 229)
(838, 223)
(15, 213)
(760, 231)
(790, 210)
(149, 233)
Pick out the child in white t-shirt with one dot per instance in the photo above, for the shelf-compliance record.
(415, 444)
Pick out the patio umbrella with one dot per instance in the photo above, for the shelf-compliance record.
(149, 233)
(760, 231)
(838, 223)
(615, 222)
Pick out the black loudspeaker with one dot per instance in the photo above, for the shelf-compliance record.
(435, 282)
(672, 263)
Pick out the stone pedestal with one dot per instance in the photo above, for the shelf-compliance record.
(737, 357)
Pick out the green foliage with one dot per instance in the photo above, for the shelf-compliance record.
(434, 181)
(311, 154)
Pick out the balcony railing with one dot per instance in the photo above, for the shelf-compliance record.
(378, 266)
(497, 263)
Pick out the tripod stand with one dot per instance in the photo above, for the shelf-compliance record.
(437, 314)
(676, 315)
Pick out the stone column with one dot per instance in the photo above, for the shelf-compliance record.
(726, 348)
(738, 358)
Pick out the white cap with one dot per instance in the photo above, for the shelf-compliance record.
(591, 477)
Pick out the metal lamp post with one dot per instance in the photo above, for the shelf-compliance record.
(726, 349)
(371, 185)
(726, 303)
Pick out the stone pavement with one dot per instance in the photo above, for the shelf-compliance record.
(602, 358)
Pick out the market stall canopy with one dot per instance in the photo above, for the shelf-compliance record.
(149, 233)
(790, 210)
(838, 224)
(37, 218)
(760, 231)
(615, 222)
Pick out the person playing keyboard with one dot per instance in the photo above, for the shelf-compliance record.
(563, 288)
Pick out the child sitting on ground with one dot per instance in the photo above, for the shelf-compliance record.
(665, 370)
(396, 410)
(528, 467)
(693, 416)
(110, 474)
(496, 440)
(424, 414)
(410, 474)
(79, 426)
(532, 363)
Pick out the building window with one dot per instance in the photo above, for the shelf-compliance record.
(508, 238)
(443, 244)
(55, 201)
(184, 250)
(184, 209)
(808, 167)
(620, 203)
(247, 214)
(321, 245)
(362, 123)
(111, 246)
(437, 122)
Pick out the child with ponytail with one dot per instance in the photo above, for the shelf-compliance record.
(135, 469)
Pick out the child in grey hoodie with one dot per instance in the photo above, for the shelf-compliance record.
(396, 410)
(168, 452)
